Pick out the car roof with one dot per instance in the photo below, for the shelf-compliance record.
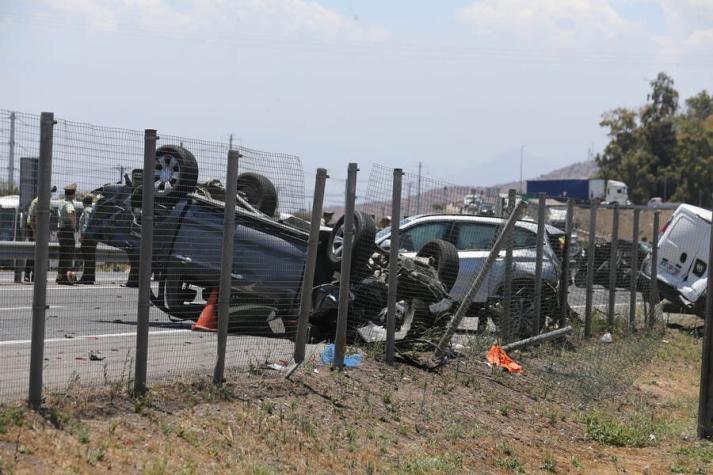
(695, 210)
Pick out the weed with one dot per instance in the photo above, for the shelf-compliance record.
(510, 463)
(700, 451)
(575, 462)
(189, 436)
(11, 416)
(638, 431)
(504, 411)
(95, 456)
(158, 467)
(446, 463)
(82, 433)
(261, 470)
(505, 448)
(549, 464)
(268, 407)
(143, 401)
(56, 417)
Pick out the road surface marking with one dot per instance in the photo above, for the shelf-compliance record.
(93, 337)
(29, 307)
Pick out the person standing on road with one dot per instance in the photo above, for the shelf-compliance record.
(31, 233)
(88, 245)
(66, 226)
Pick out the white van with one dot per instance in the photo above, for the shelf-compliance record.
(683, 253)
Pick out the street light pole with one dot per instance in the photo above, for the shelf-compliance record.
(522, 149)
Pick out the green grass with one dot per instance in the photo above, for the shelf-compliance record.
(637, 431)
(446, 463)
(11, 416)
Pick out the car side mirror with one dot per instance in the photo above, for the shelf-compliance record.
(385, 244)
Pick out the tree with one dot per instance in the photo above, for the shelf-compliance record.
(660, 151)
(8, 189)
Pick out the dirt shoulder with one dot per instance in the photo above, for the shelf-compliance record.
(465, 418)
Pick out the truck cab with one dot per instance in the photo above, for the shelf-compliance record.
(617, 192)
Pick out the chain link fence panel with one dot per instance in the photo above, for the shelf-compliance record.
(91, 293)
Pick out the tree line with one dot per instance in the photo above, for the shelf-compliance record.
(662, 149)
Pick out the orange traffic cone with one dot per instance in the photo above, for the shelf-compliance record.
(208, 321)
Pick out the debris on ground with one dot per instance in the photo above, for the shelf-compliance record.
(497, 357)
(606, 338)
(350, 361)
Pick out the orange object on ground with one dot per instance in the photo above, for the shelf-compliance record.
(497, 356)
(208, 321)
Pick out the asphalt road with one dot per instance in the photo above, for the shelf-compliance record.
(91, 332)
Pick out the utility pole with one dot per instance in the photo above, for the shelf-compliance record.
(11, 152)
(522, 150)
(121, 169)
(418, 190)
(230, 143)
(410, 185)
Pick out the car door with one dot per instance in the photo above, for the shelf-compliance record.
(473, 241)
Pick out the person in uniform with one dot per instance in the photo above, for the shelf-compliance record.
(31, 233)
(66, 225)
(88, 247)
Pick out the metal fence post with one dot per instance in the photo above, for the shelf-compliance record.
(654, 291)
(505, 325)
(393, 266)
(614, 248)
(591, 249)
(540, 250)
(505, 234)
(226, 263)
(705, 395)
(564, 277)
(39, 294)
(145, 261)
(310, 265)
(340, 342)
(634, 271)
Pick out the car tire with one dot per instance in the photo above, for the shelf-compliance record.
(445, 260)
(175, 175)
(362, 248)
(259, 192)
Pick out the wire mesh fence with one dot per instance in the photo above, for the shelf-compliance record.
(95, 228)
(454, 269)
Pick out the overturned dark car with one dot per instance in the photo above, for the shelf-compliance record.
(268, 258)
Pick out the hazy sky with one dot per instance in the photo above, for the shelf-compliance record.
(458, 85)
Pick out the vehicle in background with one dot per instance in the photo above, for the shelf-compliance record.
(472, 204)
(608, 191)
(9, 217)
(12, 217)
(473, 237)
(659, 203)
(683, 254)
(602, 256)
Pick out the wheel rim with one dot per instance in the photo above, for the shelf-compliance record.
(338, 243)
(522, 314)
(166, 174)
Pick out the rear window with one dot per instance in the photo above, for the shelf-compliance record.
(683, 232)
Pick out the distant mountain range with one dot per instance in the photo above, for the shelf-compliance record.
(586, 169)
(440, 197)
